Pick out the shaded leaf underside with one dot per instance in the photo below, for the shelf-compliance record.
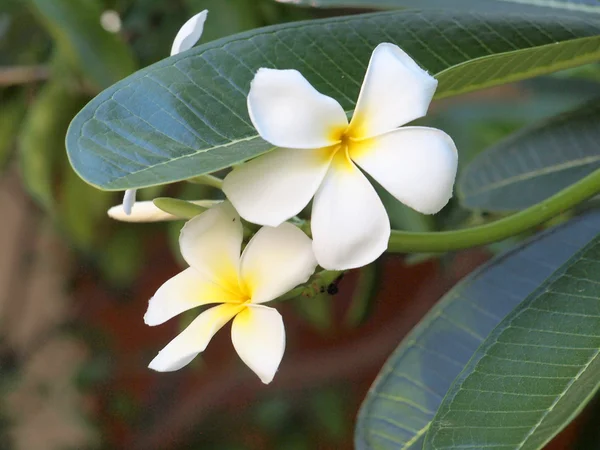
(537, 369)
(403, 400)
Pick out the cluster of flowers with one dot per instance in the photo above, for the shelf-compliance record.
(318, 157)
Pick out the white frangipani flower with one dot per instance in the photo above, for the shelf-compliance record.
(275, 261)
(320, 151)
(147, 211)
(186, 38)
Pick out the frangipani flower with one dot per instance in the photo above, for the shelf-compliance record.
(275, 261)
(186, 38)
(319, 152)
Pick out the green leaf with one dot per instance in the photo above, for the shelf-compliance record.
(535, 163)
(531, 6)
(187, 115)
(11, 115)
(410, 387)
(75, 25)
(536, 371)
(41, 142)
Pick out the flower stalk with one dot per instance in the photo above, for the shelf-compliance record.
(207, 180)
(407, 242)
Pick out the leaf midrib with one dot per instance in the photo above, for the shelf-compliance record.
(557, 5)
(558, 398)
(538, 70)
(536, 173)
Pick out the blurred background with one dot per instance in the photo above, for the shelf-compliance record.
(74, 285)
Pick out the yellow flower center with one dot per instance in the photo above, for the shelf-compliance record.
(243, 293)
(238, 291)
(347, 148)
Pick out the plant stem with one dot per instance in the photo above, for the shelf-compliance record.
(406, 242)
(208, 180)
(320, 282)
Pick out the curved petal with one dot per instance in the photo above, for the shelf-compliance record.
(395, 91)
(417, 165)
(275, 261)
(186, 290)
(140, 212)
(258, 336)
(194, 339)
(211, 243)
(274, 187)
(189, 33)
(129, 200)
(288, 112)
(350, 226)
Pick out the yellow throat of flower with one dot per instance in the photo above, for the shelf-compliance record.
(349, 146)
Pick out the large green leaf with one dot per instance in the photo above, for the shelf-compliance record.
(409, 389)
(537, 369)
(535, 163)
(41, 139)
(11, 114)
(75, 25)
(537, 6)
(187, 115)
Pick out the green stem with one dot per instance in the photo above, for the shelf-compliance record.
(317, 284)
(405, 242)
(207, 180)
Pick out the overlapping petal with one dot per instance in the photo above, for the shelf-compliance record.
(194, 339)
(186, 290)
(189, 34)
(395, 91)
(275, 261)
(272, 188)
(211, 243)
(417, 165)
(350, 226)
(258, 336)
(287, 111)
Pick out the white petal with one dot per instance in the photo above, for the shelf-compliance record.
(288, 112)
(141, 212)
(194, 339)
(274, 187)
(417, 165)
(211, 243)
(129, 200)
(258, 336)
(350, 226)
(395, 91)
(275, 261)
(147, 211)
(184, 291)
(190, 33)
